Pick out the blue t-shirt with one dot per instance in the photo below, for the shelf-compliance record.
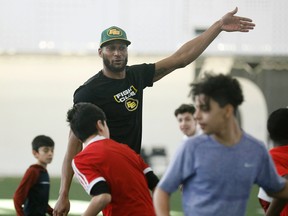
(217, 179)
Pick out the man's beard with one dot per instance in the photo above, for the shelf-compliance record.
(112, 68)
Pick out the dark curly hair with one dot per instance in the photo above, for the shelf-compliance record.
(83, 118)
(224, 89)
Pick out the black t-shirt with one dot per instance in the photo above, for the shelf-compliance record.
(121, 100)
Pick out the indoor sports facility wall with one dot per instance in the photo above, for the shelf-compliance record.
(36, 91)
(154, 27)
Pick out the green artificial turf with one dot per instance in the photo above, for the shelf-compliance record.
(8, 186)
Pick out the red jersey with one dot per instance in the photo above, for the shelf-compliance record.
(122, 169)
(279, 155)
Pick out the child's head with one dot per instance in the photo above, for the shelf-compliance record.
(184, 115)
(87, 119)
(221, 88)
(183, 108)
(277, 126)
(40, 141)
(43, 149)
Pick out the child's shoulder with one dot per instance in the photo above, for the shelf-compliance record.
(36, 168)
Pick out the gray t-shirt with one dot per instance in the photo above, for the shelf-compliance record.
(217, 179)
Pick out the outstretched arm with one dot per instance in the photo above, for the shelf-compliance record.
(62, 207)
(194, 48)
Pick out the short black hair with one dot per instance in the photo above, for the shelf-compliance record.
(40, 141)
(277, 126)
(183, 108)
(224, 89)
(83, 117)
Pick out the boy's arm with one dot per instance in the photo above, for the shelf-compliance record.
(21, 193)
(283, 194)
(62, 206)
(277, 205)
(97, 204)
(152, 179)
(161, 202)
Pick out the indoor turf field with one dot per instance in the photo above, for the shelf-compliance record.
(79, 198)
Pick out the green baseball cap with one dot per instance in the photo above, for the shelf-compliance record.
(113, 33)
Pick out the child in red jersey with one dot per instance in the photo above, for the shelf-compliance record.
(277, 126)
(32, 195)
(114, 175)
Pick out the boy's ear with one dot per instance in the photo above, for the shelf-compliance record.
(229, 110)
(99, 126)
(34, 153)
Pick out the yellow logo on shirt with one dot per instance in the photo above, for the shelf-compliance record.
(126, 96)
(131, 104)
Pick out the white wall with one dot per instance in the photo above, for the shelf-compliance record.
(153, 26)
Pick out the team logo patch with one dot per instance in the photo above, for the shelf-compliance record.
(125, 96)
(114, 32)
(131, 104)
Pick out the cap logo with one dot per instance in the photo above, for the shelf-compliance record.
(114, 32)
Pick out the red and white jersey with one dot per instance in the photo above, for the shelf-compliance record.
(123, 170)
(279, 155)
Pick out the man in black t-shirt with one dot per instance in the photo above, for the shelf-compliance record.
(118, 88)
(121, 100)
